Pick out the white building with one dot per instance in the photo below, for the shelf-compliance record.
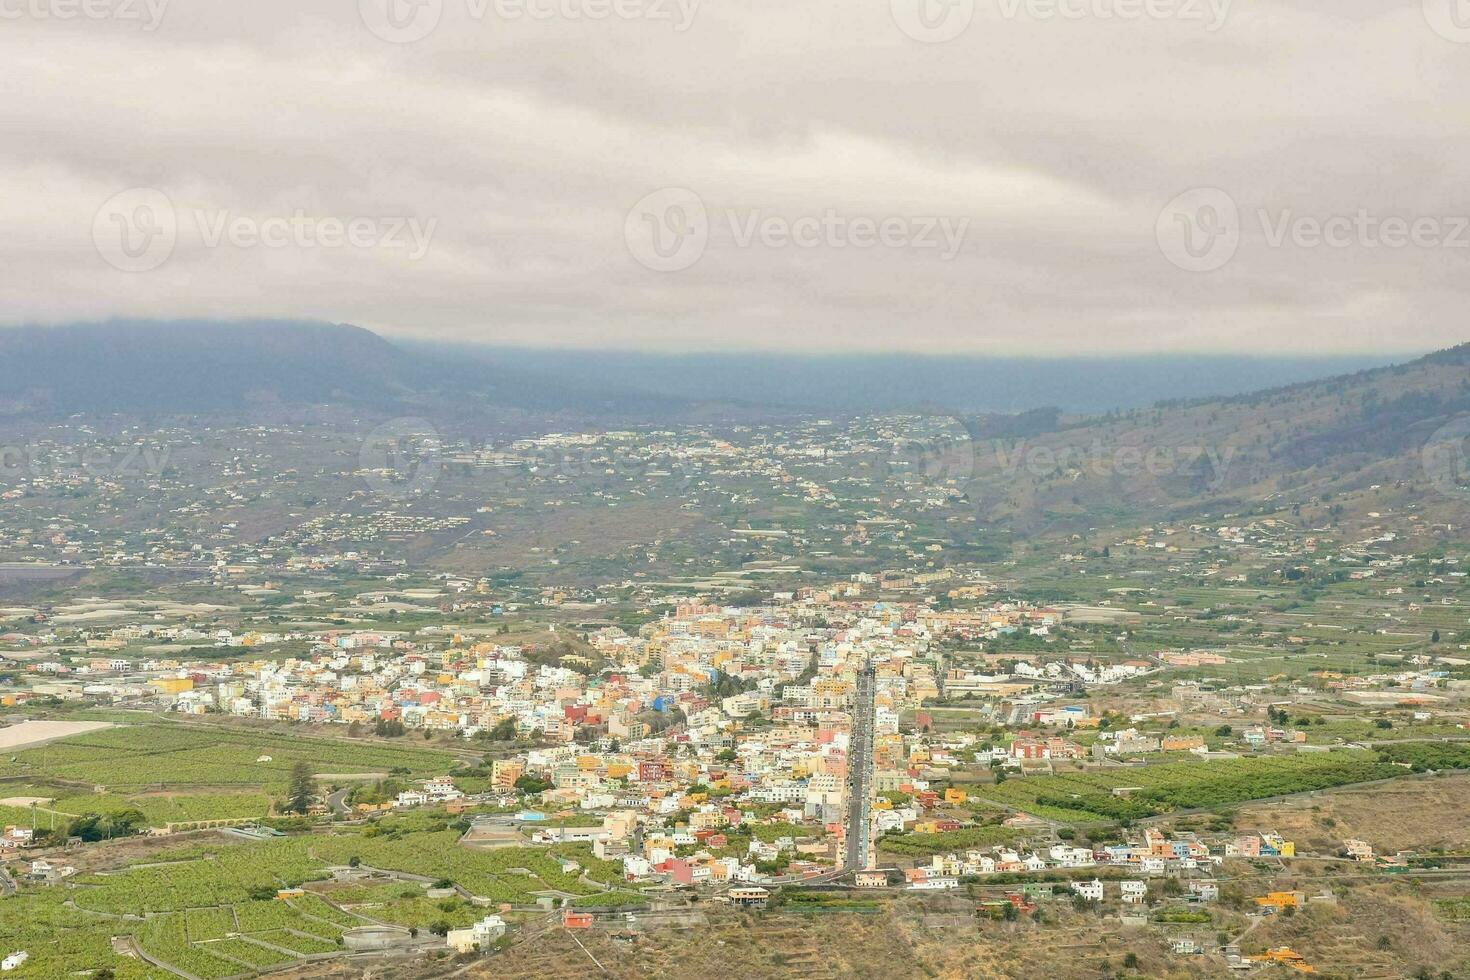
(478, 936)
(1090, 890)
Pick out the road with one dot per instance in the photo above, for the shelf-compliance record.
(860, 774)
(338, 802)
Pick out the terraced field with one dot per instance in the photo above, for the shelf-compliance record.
(162, 809)
(134, 758)
(213, 912)
(65, 942)
(1157, 789)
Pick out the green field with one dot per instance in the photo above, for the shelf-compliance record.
(170, 808)
(1159, 789)
(160, 755)
(198, 903)
(65, 942)
(924, 845)
(194, 878)
(206, 903)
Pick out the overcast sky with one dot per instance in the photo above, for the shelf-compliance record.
(859, 174)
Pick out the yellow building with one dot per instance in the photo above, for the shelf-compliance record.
(1281, 900)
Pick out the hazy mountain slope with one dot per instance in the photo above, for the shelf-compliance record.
(897, 382)
(188, 366)
(1301, 441)
(204, 367)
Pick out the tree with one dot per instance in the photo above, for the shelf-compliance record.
(94, 827)
(1434, 637)
(302, 789)
(504, 730)
(530, 784)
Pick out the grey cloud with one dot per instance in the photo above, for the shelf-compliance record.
(528, 141)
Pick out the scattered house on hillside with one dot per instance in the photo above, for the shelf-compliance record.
(751, 896)
(1205, 891)
(1092, 890)
(17, 837)
(1276, 901)
(479, 936)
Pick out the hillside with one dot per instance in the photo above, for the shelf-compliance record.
(209, 367)
(1305, 442)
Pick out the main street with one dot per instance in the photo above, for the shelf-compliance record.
(860, 774)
